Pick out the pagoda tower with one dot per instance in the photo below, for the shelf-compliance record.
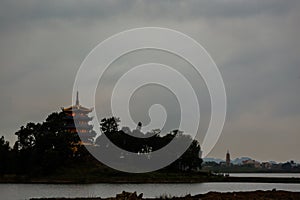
(77, 120)
(228, 159)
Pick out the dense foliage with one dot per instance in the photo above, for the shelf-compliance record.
(138, 142)
(43, 148)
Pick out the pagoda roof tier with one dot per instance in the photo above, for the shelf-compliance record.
(85, 135)
(78, 117)
(79, 126)
(84, 126)
(77, 108)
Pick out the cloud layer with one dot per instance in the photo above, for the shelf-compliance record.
(254, 43)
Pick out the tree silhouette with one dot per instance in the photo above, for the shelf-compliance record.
(43, 148)
(4, 155)
(190, 160)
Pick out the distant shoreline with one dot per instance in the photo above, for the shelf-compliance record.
(141, 180)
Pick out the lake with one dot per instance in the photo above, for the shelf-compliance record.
(26, 191)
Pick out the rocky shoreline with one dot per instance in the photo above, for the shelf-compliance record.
(257, 195)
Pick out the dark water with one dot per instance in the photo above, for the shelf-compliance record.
(26, 191)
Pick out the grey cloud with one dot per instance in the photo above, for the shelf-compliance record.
(254, 43)
(32, 10)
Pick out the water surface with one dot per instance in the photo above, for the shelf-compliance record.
(26, 191)
(268, 175)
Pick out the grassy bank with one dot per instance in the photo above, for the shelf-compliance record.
(83, 173)
(116, 177)
(155, 177)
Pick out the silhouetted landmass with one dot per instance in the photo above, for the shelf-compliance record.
(259, 195)
(287, 167)
(46, 151)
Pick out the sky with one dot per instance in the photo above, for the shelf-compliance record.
(255, 44)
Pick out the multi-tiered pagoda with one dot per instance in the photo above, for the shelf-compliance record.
(78, 115)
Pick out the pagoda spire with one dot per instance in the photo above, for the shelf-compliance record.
(77, 98)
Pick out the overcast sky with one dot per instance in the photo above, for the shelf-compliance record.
(254, 43)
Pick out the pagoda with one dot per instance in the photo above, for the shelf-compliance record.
(77, 120)
(228, 159)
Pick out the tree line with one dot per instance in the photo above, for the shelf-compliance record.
(42, 148)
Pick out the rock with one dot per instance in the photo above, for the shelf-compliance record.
(129, 196)
(140, 196)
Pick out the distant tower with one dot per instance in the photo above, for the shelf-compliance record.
(227, 158)
(139, 126)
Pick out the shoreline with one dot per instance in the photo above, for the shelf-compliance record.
(127, 180)
(258, 194)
